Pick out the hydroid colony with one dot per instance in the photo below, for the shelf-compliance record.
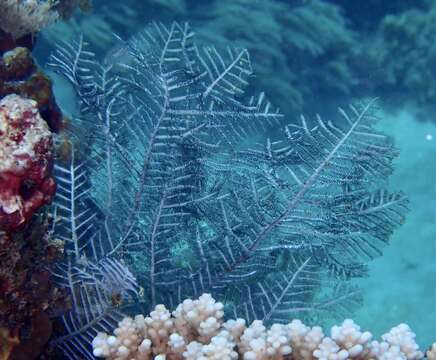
(183, 178)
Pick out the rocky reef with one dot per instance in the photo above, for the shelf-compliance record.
(20, 75)
(28, 299)
(26, 157)
(27, 296)
(29, 116)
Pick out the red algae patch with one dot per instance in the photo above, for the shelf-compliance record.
(26, 157)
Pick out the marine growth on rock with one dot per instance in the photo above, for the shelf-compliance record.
(25, 161)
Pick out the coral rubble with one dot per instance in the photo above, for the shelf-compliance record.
(181, 335)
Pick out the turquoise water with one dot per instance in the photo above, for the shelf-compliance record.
(400, 286)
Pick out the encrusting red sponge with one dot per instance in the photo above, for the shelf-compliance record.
(26, 159)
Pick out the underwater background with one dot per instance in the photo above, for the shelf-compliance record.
(311, 57)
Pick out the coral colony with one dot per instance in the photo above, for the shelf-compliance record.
(179, 193)
(181, 184)
(196, 330)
